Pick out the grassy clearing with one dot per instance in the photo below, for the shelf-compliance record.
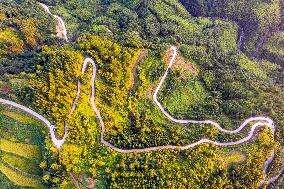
(17, 126)
(24, 150)
(18, 178)
(182, 88)
(184, 95)
(22, 164)
(234, 157)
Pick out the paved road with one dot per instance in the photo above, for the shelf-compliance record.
(60, 28)
(257, 121)
(56, 142)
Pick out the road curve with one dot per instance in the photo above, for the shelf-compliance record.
(258, 121)
(268, 121)
(61, 29)
(261, 121)
(58, 143)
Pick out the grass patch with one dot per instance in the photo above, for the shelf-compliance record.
(184, 94)
(24, 150)
(18, 178)
(22, 164)
(234, 157)
(252, 67)
(18, 117)
(16, 126)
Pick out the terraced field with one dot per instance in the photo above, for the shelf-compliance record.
(21, 142)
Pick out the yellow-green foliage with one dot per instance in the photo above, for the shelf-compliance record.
(275, 44)
(160, 7)
(184, 23)
(71, 156)
(2, 14)
(55, 84)
(22, 164)
(252, 67)
(167, 165)
(25, 150)
(18, 117)
(28, 27)
(179, 8)
(268, 14)
(228, 37)
(114, 70)
(235, 157)
(18, 178)
(10, 42)
(265, 138)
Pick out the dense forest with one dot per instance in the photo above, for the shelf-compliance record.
(229, 67)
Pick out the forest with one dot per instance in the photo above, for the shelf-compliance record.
(229, 67)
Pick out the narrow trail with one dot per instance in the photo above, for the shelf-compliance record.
(60, 27)
(259, 45)
(257, 121)
(241, 40)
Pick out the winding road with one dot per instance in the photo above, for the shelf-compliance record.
(260, 121)
(60, 27)
(256, 121)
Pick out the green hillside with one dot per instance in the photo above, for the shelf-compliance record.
(228, 68)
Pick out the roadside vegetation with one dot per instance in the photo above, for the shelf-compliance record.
(212, 78)
(21, 149)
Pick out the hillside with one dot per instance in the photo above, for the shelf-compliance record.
(142, 93)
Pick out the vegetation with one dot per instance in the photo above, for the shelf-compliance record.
(273, 49)
(23, 28)
(24, 150)
(21, 147)
(212, 78)
(23, 164)
(256, 18)
(21, 180)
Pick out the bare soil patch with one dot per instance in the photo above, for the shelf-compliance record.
(185, 67)
(5, 89)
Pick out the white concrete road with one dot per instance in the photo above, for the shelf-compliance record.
(256, 121)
